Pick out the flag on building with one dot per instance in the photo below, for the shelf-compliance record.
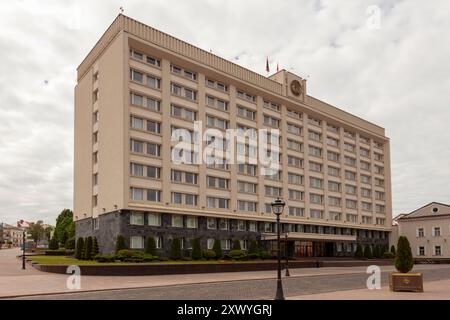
(267, 65)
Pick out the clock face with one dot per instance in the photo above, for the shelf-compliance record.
(296, 87)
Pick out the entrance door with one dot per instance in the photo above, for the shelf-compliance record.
(329, 249)
(303, 249)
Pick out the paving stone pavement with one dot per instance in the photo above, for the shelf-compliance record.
(245, 289)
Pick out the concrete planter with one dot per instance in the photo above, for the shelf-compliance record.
(412, 282)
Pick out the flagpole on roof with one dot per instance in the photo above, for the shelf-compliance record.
(267, 65)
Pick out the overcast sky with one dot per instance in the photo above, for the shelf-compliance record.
(395, 74)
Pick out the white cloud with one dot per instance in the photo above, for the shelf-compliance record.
(396, 77)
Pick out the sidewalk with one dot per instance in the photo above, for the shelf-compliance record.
(16, 282)
(433, 290)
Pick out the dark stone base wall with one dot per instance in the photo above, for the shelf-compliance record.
(118, 222)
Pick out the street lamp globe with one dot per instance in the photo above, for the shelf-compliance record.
(278, 206)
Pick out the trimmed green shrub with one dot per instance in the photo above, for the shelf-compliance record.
(88, 249)
(209, 254)
(196, 250)
(59, 252)
(263, 254)
(120, 243)
(217, 248)
(393, 250)
(95, 250)
(404, 261)
(368, 252)
(236, 254)
(377, 251)
(359, 252)
(236, 245)
(175, 249)
(54, 244)
(186, 259)
(253, 250)
(70, 244)
(102, 258)
(150, 246)
(148, 258)
(388, 255)
(79, 251)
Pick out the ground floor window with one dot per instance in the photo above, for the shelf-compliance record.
(210, 244)
(252, 226)
(421, 251)
(212, 223)
(154, 219)
(137, 242)
(159, 242)
(225, 244)
(177, 221)
(243, 244)
(137, 218)
(437, 250)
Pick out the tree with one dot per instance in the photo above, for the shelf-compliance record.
(95, 249)
(63, 226)
(236, 245)
(359, 251)
(217, 248)
(196, 249)
(79, 252)
(175, 249)
(150, 246)
(404, 261)
(253, 248)
(53, 245)
(37, 231)
(88, 248)
(368, 252)
(70, 244)
(120, 243)
(393, 249)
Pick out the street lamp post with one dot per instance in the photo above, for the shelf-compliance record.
(286, 253)
(277, 209)
(23, 249)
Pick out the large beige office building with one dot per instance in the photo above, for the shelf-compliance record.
(138, 85)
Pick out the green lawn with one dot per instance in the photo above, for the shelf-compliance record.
(61, 260)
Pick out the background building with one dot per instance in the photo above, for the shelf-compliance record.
(428, 231)
(12, 234)
(138, 84)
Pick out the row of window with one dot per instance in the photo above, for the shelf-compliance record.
(242, 95)
(191, 222)
(437, 251)
(435, 232)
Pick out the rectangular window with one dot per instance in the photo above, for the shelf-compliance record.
(315, 151)
(335, 172)
(333, 156)
(315, 136)
(437, 251)
(314, 166)
(335, 216)
(241, 225)
(223, 224)
(352, 218)
(334, 186)
(295, 178)
(136, 170)
(436, 231)
(153, 195)
(210, 244)
(350, 175)
(153, 149)
(154, 219)
(421, 251)
(136, 193)
(212, 223)
(316, 214)
(294, 145)
(315, 183)
(136, 146)
(246, 206)
(295, 195)
(191, 222)
(316, 198)
(137, 242)
(136, 76)
(296, 211)
(153, 172)
(295, 162)
(349, 189)
(252, 226)
(177, 221)
(351, 204)
(334, 201)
